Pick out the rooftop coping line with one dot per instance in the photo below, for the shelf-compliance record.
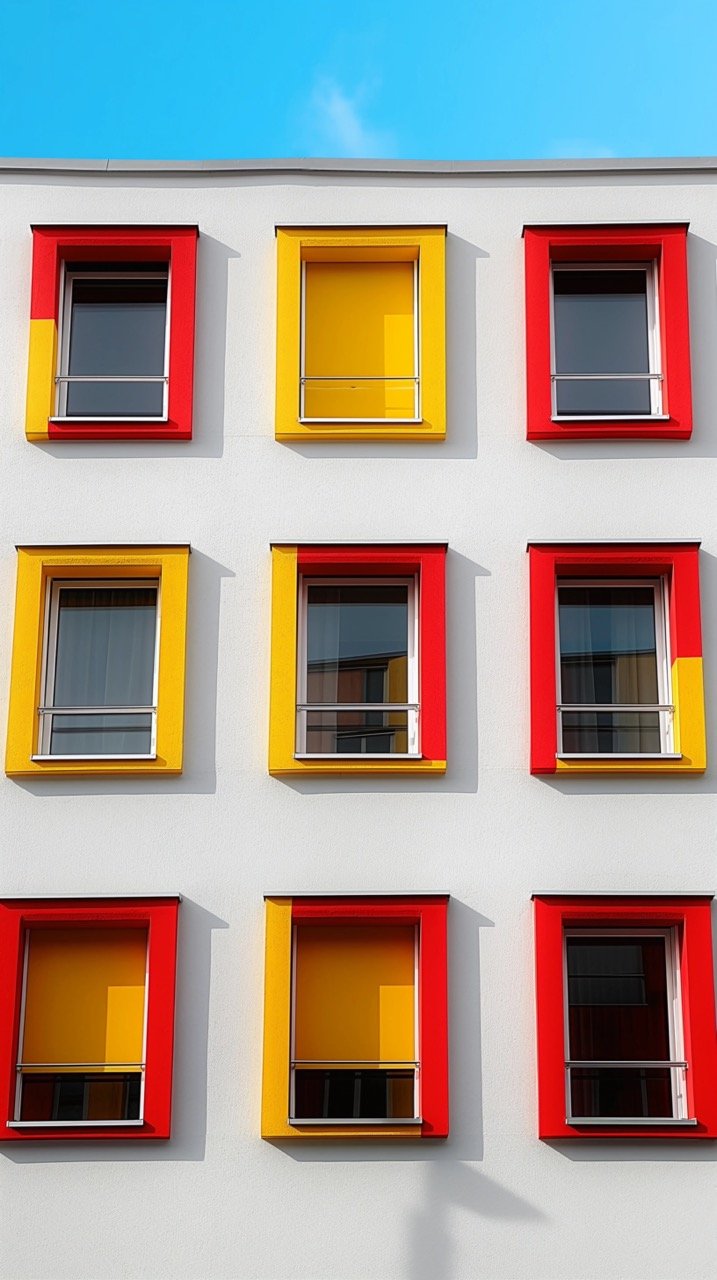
(359, 893)
(98, 546)
(622, 893)
(336, 165)
(613, 542)
(88, 897)
(360, 542)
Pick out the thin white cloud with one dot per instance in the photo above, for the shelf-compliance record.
(336, 124)
(578, 149)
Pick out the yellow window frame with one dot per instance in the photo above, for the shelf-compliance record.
(37, 568)
(426, 245)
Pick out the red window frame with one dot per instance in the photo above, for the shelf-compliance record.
(430, 913)
(679, 563)
(666, 245)
(175, 245)
(690, 916)
(17, 916)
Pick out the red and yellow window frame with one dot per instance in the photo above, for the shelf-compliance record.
(690, 917)
(37, 569)
(675, 562)
(53, 246)
(289, 563)
(662, 244)
(423, 245)
(429, 914)
(20, 917)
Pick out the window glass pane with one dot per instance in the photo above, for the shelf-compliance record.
(117, 327)
(344, 1094)
(76, 1096)
(601, 326)
(617, 998)
(105, 646)
(85, 997)
(643, 1092)
(120, 734)
(355, 993)
(359, 339)
(608, 648)
(357, 732)
(104, 657)
(115, 399)
(357, 643)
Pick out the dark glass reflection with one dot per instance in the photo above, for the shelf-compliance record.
(81, 1096)
(104, 657)
(357, 643)
(357, 732)
(608, 654)
(618, 1010)
(346, 1094)
(601, 326)
(117, 328)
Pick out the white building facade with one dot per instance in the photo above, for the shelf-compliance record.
(494, 1200)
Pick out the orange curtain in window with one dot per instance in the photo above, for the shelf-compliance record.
(355, 993)
(85, 995)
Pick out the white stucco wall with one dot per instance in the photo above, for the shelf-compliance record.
(492, 1203)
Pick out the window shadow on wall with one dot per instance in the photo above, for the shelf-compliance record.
(200, 715)
(461, 440)
(189, 1105)
(461, 709)
(668, 784)
(210, 348)
(702, 284)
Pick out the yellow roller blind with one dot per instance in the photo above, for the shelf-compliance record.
(85, 996)
(355, 993)
(358, 326)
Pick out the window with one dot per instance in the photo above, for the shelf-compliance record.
(358, 659)
(112, 333)
(98, 666)
(355, 1040)
(361, 333)
(607, 332)
(625, 1016)
(616, 666)
(91, 1036)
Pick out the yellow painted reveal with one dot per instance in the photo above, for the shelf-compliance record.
(37, 567)
(42, 364)
(690, 734)
(358, 330)
(375, 249)
(85, 997)
(277, 1020)
(355, 993)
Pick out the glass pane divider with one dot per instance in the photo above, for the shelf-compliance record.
(96, 711)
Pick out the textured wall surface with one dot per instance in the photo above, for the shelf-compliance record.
(492, 1203)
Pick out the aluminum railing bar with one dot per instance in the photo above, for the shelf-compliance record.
(618, 1062)
(615, 706)
(45, 1066)
(357, 706)
(108, 377)
(354, 377)
(607, 377)
(95, 711)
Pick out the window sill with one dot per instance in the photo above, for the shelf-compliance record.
(589, 418)
(81, 759)
(326, 1124)
(360, 422)
(75, 1124)
(110, 422)
(630, 1122)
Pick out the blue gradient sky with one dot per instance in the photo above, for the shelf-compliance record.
(464, 80)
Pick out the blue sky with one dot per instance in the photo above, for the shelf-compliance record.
(465, 80)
